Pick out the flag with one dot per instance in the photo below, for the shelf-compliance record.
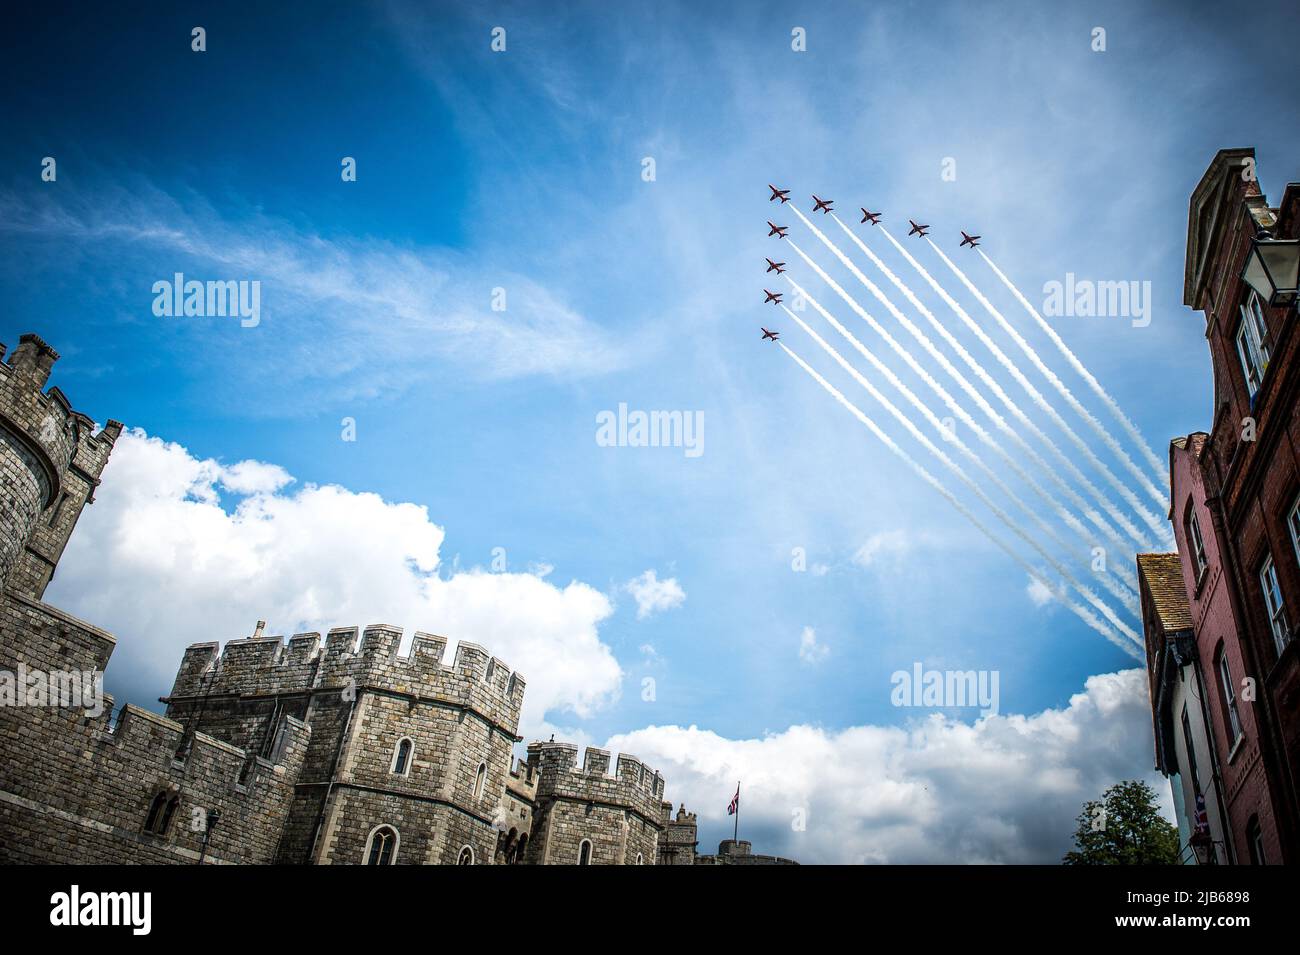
(735, 802)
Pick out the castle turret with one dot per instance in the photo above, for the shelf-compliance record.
(50, 462)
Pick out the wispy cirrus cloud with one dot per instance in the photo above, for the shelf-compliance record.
(343, 317)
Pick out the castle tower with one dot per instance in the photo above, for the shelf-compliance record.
(50, 462)
(587, 816)
(680, 839)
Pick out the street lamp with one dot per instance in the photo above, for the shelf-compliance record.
(1273, 268)
(213, 818)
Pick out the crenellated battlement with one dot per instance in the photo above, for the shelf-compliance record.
(61, 435)
(369, 658)
(142, 732)
(50, 461)
(633, 785)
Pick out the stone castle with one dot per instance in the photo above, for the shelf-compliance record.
(341, 751)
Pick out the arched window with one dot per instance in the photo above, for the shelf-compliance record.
(640, 859)
(466, 856)
(402, 756)
(161, 811)
(479, 780)
(584, 852)
(381, 848)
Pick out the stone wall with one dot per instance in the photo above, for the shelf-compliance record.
(620, 816)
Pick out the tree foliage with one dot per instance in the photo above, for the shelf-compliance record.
(1124, 827)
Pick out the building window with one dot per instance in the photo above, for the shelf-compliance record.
(1293, 525)
(584, 852)
(640, 859)
(381, 848)
(1255, 841)
(57, 509)
(161, 811)
(1190, 745)
(1193, 529)
(1253, 344)
(1273, 604)
(1231, 719)
(402, 757)
(466, 856)
(480, 779)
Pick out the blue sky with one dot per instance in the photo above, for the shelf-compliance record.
(522, 170)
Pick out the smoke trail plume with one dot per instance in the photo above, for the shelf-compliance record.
(1081, 611)
(997, 419)
(1134, 434)
(1028, 350)
(1157, 526)
(961, 475)
(1016, 411)
(1125, 594)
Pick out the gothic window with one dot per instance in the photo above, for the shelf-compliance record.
(402, 757)
(382, 847)
(479, 780)
(640, 859)
(161, 811)
(466, 856)
(584, 852)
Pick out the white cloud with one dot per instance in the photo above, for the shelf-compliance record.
(1004, 789)
(1039, 592)
(158, 561)
(810, 651)
(885, 545)
(653, 595)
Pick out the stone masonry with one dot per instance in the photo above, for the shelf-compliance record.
(310, 751)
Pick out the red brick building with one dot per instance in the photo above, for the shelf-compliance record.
(1235, 507)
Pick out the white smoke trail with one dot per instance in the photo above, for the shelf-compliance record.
(1092, 515)
(1081, 611)
(1054, 380)
(961, 475)
(1160, 467)
(1158, 527)
(1125, 594)
(1017, 412)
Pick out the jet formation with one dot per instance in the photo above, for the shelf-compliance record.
(824, 207)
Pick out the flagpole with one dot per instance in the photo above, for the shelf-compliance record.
(735, 834)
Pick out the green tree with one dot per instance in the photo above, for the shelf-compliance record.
(1123, 828)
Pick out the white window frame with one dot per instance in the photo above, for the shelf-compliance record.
(460, 855)
(1293, 526)
(590, 851)
(1252, 344)
(1273, 604)
(480, 780)
(1229, 697)
(397, 752)
(1198, 542)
